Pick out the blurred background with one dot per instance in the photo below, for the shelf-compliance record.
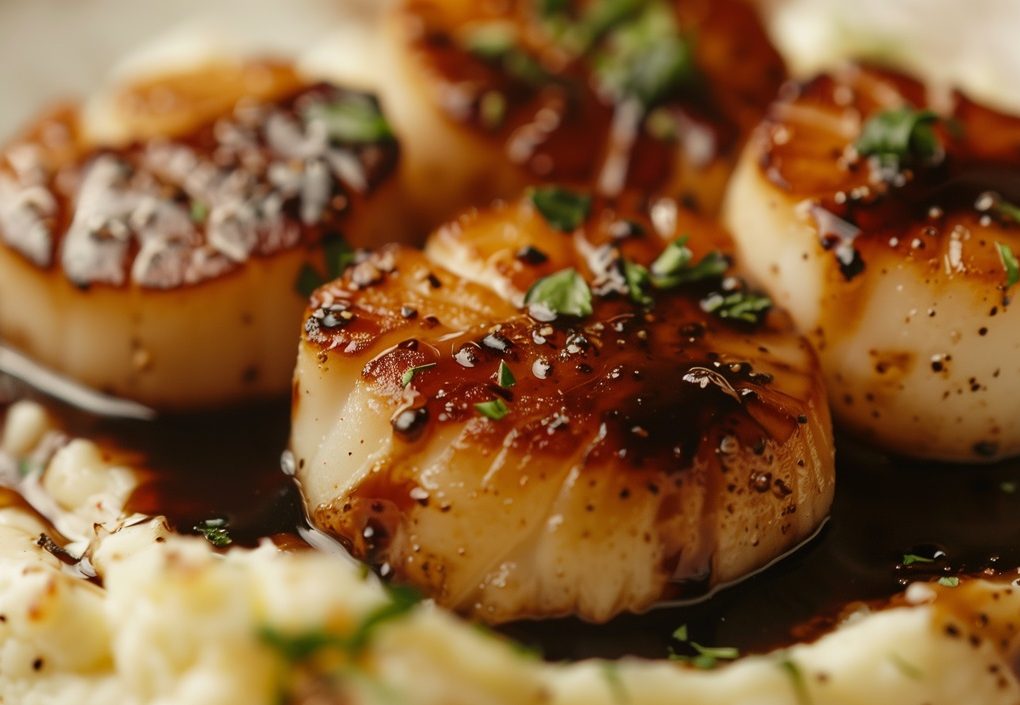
(53, 49)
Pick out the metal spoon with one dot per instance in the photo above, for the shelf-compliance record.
(68, 391)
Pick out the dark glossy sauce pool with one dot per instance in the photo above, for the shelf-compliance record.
(228, 465)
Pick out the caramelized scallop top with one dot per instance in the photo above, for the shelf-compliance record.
(559, 410)
(942, 204)
(599, 92)
(650, 384)
(269, 175)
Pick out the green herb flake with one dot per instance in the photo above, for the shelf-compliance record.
(505, 376)
(639, 282)
(402, 600)
(339, 256)
(673, 259)
(496, 42)
(308, 280)
(673, 267)
(598, 19)
(739, 306)
(789, 667)
(411, 372)
(490, 40)
(215, 532)
(492, 110)
(563, 293)
(1008, 486)
(949, 581)
(899, 135)
(494, 409)
(199, 212)
(645, 59)
(662, 125)
(353, 118)
(611, 672)
(1009, 263)
(297, 648)
(912, 558)
(562, 208)
(906, 668)
(548, 8)
(706, 657)
(1008, 210)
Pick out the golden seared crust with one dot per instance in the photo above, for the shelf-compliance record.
(543, 105)
(895, 265)
(664, 447)
(168, 212)
(859, 206)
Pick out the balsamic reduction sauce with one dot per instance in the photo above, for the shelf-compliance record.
(885, 508)
(228, 465)
(198, 467)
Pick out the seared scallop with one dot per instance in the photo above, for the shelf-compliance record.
(490, 97)
(884, 217)
(170, 269)
(557, 409)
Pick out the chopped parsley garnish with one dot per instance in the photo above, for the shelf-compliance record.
(547, 8)
(906, 668)
(662, 125)
(738, 305)
(491, 41)
(602, 16)
(505, 376)
(788, 666)
(1008, 210)
(563, 293)
(199, 211)
(562, 208)
(297, 648)
(646, 58)
(900, 135)
(352, 118)
(912, 558)
(611, 673)
(949, 581)
(215, 532)
(337, 256)
(706, 656)
(402, 600)
(639, 282)
(308, 280)
(1008, 486)
(673, 267)
(492, 109)
(410, 372)
(26, 467)
(496, 42)
(494, 409)
(1009, 263)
